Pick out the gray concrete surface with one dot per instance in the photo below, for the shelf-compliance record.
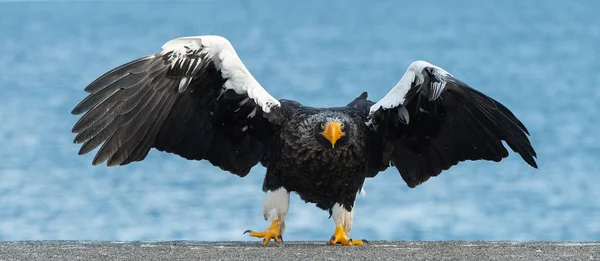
(252, 250)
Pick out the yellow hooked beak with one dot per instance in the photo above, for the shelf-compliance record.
(333, 132)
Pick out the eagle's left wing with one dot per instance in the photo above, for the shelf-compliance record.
(431, 121)
(194, 98)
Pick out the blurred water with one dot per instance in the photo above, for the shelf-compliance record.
(538, 58)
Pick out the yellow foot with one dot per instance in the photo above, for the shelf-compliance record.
(340, 237)
(273, 232)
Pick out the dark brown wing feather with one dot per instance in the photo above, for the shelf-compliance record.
(461, 124)
(139, 106)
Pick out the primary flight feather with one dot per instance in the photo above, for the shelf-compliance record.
(195, 98)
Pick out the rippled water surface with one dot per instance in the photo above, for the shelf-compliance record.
(539, 58)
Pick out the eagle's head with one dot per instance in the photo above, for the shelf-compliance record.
(333, 130)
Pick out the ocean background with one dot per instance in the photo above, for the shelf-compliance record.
(539, 58)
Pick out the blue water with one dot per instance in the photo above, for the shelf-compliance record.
(540, 58)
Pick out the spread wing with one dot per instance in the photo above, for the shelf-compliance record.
(431, 121)
(195, 98)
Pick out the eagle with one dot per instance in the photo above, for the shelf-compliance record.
(196, 99)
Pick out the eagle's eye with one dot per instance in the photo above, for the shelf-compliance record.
(342, 125)
(322, 125)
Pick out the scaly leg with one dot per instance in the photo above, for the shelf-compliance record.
(343, 225)
(275, 207)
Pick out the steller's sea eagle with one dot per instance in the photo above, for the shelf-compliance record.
(195, 98)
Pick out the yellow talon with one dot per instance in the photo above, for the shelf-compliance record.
(273, 232)
(340, 237)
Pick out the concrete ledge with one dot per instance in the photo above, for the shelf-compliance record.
(252, 250)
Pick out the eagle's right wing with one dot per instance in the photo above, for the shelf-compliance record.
(431, 121)
(195, 98)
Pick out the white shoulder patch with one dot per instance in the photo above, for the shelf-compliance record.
(414, 72)
(189, 50)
